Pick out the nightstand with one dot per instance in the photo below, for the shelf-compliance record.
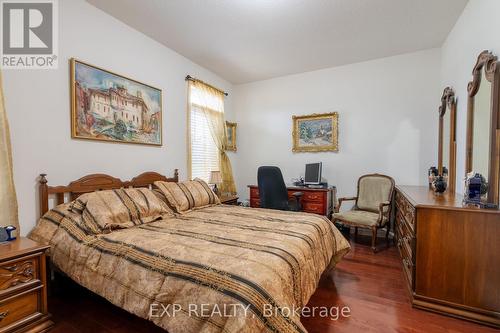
(229, 199)
(23, 287)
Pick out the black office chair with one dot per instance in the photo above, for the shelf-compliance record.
(272, 190)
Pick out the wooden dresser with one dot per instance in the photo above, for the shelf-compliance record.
(315, 200)
(450, 254)
(23, 289)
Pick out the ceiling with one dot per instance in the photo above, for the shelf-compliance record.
(250, 40)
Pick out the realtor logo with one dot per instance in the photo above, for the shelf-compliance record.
(29, 34)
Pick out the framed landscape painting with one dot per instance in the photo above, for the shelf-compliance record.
(231, 136)
(109, 107)
(315, 133)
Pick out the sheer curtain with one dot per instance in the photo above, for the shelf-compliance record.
(8, 201)
(210, 102)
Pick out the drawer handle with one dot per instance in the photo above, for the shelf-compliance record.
(28, 272)
(12, 268)
(313, 196)
(3, 315)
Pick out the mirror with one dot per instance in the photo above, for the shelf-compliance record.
(483, 124)
(446, 138)
(447, 143)
(482, 128)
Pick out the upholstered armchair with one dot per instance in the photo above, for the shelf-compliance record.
(372, 208)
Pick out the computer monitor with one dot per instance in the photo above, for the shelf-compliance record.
(313, 173)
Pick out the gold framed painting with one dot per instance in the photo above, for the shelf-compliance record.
(231, 136)
(315, 133)
(106, 106)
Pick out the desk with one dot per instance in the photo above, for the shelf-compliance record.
(315, 200)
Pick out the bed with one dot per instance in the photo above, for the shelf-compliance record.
(216, 269)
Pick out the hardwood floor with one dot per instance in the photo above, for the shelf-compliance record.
(371, 285)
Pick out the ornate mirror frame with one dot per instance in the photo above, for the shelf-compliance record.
(487, 61)
(448, 102)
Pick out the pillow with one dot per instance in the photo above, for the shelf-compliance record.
(185, 196)
(48, 225)
(121, 208)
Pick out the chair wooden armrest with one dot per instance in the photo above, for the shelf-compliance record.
(381, 210)
(337, 209)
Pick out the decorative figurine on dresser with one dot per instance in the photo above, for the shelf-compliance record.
(476, 189)
(432, 173)
(6, 233)
(23, 287)
(439, 184)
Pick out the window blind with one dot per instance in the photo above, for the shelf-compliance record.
(204, 152)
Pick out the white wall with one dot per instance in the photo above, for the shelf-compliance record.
(38, 106)
(476, 30)
(387, 107)
(387, 120)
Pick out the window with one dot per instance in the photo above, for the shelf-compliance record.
(204, 152)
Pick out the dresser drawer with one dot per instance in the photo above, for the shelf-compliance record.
(404, 241)
(254, 203)
(317, 201)
(18, 272)
(399, 238)
(408, 271)
(313, 208)
(401, 221)
(406, 208)
(19, 308)
(254, 192)
(313, 197)
(23, 293)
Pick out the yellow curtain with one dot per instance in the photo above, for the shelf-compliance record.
(8, 201)
(211, 102)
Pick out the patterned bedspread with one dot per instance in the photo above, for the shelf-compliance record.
(217, 269)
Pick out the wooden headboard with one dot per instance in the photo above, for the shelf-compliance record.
(91, 183)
